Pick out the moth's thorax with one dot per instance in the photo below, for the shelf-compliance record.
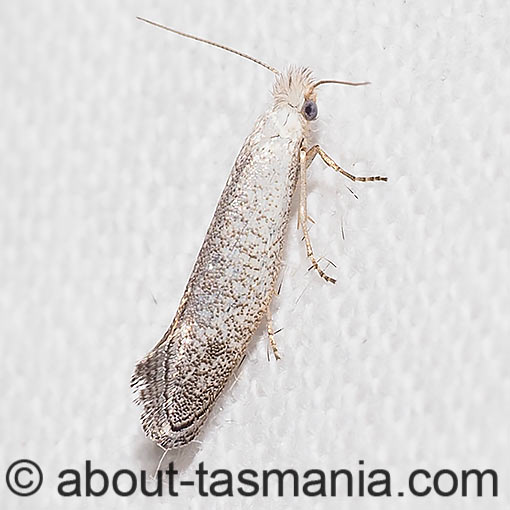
(283, 123)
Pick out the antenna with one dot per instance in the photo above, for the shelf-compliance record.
(226, 48)
(354, 84)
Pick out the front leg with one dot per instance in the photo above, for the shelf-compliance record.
(306, 158)
(316, 149)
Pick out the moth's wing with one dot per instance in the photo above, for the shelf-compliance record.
(228, 292)
(179, 380)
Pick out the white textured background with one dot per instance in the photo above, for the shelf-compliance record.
(116, 140)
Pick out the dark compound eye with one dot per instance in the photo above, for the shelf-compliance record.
(310, 110)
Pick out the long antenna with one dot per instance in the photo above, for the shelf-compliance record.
(354, 84)
(226, 48)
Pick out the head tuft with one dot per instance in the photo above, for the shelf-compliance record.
(293, 87)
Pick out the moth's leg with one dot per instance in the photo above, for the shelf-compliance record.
(306, 161)
(303, 213)
(299, 221)
(311, 153)
(271, 333)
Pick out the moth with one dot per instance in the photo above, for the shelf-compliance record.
(233, 280)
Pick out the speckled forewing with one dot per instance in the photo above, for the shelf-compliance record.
(229, 290)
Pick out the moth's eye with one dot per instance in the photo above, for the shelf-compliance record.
(310, 110)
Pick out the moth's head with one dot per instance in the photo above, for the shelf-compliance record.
(296, 88)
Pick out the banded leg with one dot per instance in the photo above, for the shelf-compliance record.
(271, 333)
(303, 214)
(316, 149)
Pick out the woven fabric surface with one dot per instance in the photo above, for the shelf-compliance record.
(116, 140)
